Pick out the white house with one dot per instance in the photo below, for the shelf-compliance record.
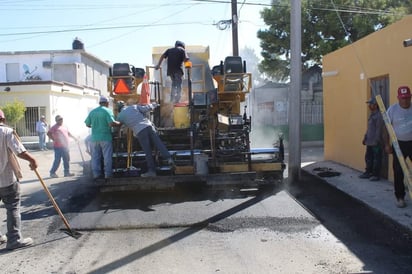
(50, 83)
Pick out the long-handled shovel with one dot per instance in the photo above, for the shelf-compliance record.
(68, 231)
(85, 169)
(80, 150)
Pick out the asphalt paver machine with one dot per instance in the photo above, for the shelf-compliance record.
(207, 131)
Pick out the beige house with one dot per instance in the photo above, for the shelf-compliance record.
(376, 64)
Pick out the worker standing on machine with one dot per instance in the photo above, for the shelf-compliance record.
(175, 58)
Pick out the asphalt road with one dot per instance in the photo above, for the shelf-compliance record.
(309, 227)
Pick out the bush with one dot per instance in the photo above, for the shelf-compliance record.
(14, 112)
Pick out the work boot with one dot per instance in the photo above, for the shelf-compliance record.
(149, 174)
(3, 239)
(400, 203)
(365, 175)
(98, 179)
(19, 244)
(170, 162)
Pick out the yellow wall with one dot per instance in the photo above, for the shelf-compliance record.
(345, 111)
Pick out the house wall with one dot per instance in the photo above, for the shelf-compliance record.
(345, 111)
(72, 66)
(72, 104)
(268, 105)
(63, 82)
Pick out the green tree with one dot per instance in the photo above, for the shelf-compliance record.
(252, 65)
(326, 26)
(14, 112)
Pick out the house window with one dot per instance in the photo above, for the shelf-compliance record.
(12, 72)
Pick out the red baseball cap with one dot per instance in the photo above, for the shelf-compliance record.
(404, 92)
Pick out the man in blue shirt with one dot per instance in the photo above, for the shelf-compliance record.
(41, 129)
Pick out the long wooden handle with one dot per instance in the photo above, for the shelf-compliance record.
(129, 147)
(394, 140)
(80, 150)
(52, 200)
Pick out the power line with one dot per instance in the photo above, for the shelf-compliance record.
(153, 23)
(103, 28)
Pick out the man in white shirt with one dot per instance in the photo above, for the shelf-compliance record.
(400, 115)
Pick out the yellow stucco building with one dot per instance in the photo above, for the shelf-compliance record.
(378, 63)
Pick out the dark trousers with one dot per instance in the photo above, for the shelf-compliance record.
(373, 159)
(11, 199)
(147, 137)
(406, 148)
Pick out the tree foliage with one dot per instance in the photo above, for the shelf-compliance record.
(14, 112)
(327, 25)
(252, 65)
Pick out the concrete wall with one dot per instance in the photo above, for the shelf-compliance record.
(72, 66)
(346, 87)
(63, 82)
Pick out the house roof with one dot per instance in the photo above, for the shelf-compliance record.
(71, 51)
(272, 85)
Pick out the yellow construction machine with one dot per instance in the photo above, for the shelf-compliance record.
(207, 132)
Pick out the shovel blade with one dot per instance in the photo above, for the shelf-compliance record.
(72, 233)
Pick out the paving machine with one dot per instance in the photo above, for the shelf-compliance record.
(207, 132)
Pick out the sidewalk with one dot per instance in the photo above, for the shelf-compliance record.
(376, 194)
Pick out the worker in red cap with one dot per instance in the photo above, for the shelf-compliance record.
(10, 146)
(400, 116)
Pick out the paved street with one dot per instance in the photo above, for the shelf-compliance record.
(289, 230)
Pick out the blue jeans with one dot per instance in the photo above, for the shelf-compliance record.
(10, 196)
(176, 91)
(101, 149)
(42, 140)
(147, 137)
(61, 153)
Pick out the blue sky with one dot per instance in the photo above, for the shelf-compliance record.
(126, 30)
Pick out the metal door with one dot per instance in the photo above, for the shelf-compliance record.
(380, 85)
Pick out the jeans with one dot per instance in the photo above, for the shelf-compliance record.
(147, 137)
(10, 196)
(61, 153)
(373, 159)
(101, 149)
(406, 148)
(42, 140)
(176, 91)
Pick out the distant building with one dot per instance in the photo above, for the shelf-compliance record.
(269, 105)
(53, 82)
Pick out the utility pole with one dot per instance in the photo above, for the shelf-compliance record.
(294, 95)
(235, 42)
